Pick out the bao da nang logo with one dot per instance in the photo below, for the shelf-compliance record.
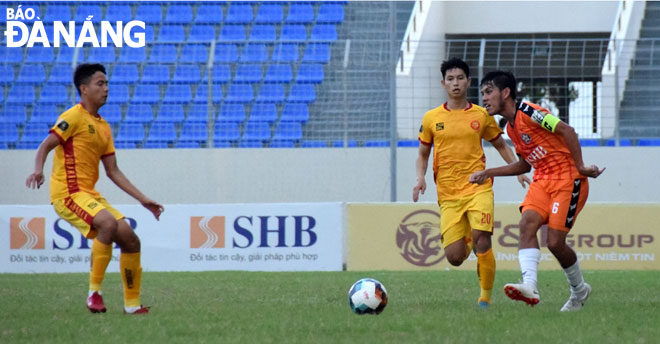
(419, 238)
(27, 233)
(25, 28)
(207, 231)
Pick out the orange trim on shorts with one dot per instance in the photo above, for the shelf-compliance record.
(80, 212)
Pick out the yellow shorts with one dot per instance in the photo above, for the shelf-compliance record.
(459, 217)
(79, 210)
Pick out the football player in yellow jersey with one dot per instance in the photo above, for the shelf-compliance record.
(81, 139)
(454, 131)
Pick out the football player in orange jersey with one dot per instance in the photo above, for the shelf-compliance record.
(81, 139)
(455, 131)
(557, 194)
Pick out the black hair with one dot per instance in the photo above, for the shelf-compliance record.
(501, 79)
(452, 63)
(84, 72)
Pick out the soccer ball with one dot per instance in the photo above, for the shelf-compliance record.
(367, 296)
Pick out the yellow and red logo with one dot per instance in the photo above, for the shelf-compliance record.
(27, 233)
(207, 231)
(475, 125)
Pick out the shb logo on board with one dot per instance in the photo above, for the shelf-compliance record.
(207, 231)
(27, 233)
(419, 238)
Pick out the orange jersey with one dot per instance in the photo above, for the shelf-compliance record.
(543, 149)
(457, 151)
(84, 140)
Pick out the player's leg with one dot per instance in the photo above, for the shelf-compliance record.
(480, 215)
(455, 228)
(130, 267)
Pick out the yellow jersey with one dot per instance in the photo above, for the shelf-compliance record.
(457, 150)
(84, 140)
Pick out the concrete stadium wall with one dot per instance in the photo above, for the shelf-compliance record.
(180, 176)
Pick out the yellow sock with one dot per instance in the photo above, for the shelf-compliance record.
(131, 274)
(486, 272)
(101, 255)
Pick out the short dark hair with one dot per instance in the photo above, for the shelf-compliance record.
(501, 79)
(452, 63)
(84, 72)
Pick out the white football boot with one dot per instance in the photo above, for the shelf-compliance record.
(576, 301)
(522, 292)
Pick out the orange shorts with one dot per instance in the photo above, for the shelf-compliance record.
(558, 201)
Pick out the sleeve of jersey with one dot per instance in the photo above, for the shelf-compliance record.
(64, 127)
(491, 131)
(425, 133)
(110, 150)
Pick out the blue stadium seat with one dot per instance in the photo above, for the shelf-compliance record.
(164, 53)
(316, 53)
(125, 74)
(293, 33)
(27, 145)
(250, 73)
(300, 13)
(622, 143)
(295, 112)
(149, 34)
(14, 114)
(34, 133)
(130, 133)
(256, 131)
(102, 55)
(323, 33)
(178, 14)
(150, 14)
(221, 74)
(111, 113)
(155, 144)
(187, 144)
(170, 113)
(145, 93)
(65, 55)
(125, 145)
(313, 144)
(330, 13)
(202, 33)
(193, 132)
(262, 33)
(648, 142)
(310, 72)
(302, 93)
(199, 113)
(39, 54)
(8, 133)
(227, 131)
(231, 113)
(186, 74)
(57, 12)
(177, 94)
(118, 94)
(162, 132)
(250, 143)
(201, 96)
(254, 53)
(21, 94)
(341, 143)
(132, 54)
(226, 53)
(269, 14)
(263, 112)
(271, 93)
(11, 55)
(155, 74)
(589, 142)
(61, 74)
(2, 95)
(197, 53)
(279, 143)
(53, 94)
(232, 33)
(139, 113)
(171, 33)
(31, 74)
(239, 93)
(118, 12)
(288, 131)
(6, 75)
(45, 113)
(278, 73)
(376, 143)
(85, 11)
(239, 13)
(285, 53)
(408, 143)
(209, 14)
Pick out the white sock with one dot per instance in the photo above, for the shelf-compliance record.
(529, 264)
(574, 278)
(131, 309)
(94, 291)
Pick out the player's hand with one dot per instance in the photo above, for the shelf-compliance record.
(522, 179)
(154, 207)
(35, 180)
(478, 177)
(420, 187)
(591, 171)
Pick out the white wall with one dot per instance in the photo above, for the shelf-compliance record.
(180, 176)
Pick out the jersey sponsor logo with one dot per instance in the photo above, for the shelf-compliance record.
(63, 125)
(475, 125)
(27, 233)
(91, 129)
(418, 238)
(537, 117)
(207, 231)
(526, 138)
(92, 205)
(440, 126)
(537, 154)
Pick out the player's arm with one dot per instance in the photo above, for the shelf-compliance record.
(117, 176)
(421, 165)
(507, 154)
(36, 178)
(573, 143)
(519, 167)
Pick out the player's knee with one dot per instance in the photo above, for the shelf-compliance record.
(455, 259)
(556, 244)
(106, 226)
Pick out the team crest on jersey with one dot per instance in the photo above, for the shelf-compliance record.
(526, 138)
(440, 126)
(63, 125)
(91, 129)
(475, 125)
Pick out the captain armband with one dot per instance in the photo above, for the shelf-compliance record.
(550, 122)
